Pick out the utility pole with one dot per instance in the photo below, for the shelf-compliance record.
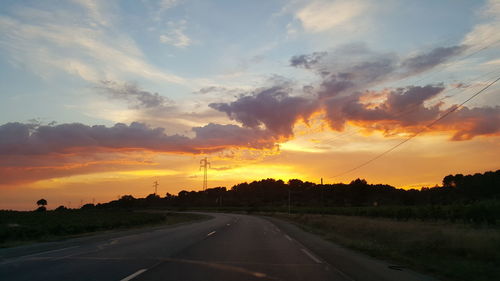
(289, 200)
(155, 184)
(321, 193)
(204, 164)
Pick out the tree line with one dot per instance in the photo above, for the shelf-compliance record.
(455, 189)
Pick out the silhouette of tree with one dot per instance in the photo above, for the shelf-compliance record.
(61, 208)
(87, 206)
(449, 181)
(152, 196)
(449, 201)
(41, 203)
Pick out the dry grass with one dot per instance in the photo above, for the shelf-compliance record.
(448, 251)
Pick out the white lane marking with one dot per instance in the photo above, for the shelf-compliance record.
(132, 276)
(52, 251)
(211, 233)
(228, 224)
(288, 237)
(37, 254)
(311, 256)
(259, 275)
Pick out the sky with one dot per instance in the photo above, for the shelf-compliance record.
(101, 98)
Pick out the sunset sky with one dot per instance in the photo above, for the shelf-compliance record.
(102, 98)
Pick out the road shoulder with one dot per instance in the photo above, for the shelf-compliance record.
(352, 264)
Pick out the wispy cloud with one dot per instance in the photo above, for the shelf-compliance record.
(175, 35)
(486, 33)
(95, 10)
(91, 48)
(136, 97)
(322, 15)
(167, 4)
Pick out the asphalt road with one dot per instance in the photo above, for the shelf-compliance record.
(227, 247)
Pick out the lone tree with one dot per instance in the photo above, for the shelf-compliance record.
(41, 203)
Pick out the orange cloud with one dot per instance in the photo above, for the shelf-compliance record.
(30, 153)
(22, 170)
(403, 111)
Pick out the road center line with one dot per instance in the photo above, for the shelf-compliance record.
(132, 276)
(288, 237)
(211, 233)
(311, 256)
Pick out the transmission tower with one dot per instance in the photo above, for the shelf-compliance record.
(155, 184)
(204, 164)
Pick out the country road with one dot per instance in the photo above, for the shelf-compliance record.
(226, 247)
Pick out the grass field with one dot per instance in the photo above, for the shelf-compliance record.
(24, 227)
(448, 251)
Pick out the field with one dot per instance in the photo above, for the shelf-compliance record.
(486, 212)
(448, 251)
(21, 227)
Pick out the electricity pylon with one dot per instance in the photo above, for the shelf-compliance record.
(155, 184)
(204, 164)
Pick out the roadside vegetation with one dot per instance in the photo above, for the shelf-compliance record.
(447, 251)
(481, 213)
(21, 227)
(470, 199)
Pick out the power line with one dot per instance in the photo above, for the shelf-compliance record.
(460, 105)
(444, 66)
(415, 107)
(428, 75)
(453, 109)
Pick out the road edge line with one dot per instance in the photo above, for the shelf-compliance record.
(133, 275)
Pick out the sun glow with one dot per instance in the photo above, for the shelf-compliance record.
(103, 176)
